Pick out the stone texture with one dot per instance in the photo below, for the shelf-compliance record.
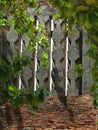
(9, 47)
(60, 113)
(12, 36)
(74, 58)
(58, 57)
(26, 76)
(87, 80)
(5, 51)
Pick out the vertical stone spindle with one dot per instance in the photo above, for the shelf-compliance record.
(51, 51)
(35, 57)
(66, 61)
(21, 51)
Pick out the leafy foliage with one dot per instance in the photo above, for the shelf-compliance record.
(85, 14)
(23, 24)
(9, 71)
(18, 10)
(45, 61)
(20, 97)
(20, 62)
(78, 70)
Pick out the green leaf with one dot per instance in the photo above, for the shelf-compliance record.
(57, 16)
(95, 95)
(12, 88)
(93, 52)
(82, 8)
(42, 93)
(78, 70)
(95, 73)
(94, 87)
(81, 16)
(91, 2)
(45, 60)
(29, 98)
(31, 48)
(95, 103)
(93, 18)
(17, 101)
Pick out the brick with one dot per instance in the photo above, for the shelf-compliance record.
(77, 114)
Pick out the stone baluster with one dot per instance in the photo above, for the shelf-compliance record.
(35, 58)
(20, 52)
(51, 52)
(66, 61)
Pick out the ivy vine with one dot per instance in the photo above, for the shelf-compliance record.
(85, 14)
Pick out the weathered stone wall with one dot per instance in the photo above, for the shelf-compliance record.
(9, 47)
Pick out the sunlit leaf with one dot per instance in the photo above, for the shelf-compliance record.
(82, 8)
(91, 1)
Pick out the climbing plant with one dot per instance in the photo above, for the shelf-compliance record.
(20, 21)
(85, 14)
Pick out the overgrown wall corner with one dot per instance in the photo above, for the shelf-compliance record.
(10, 45)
